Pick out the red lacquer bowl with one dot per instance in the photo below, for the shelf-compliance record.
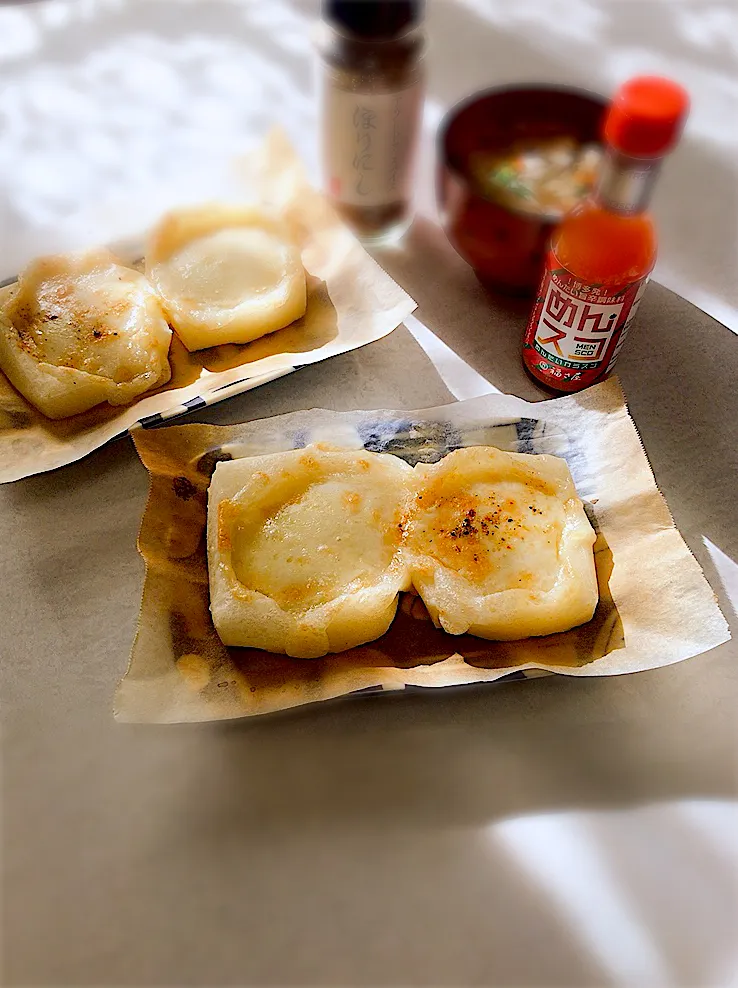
(505, 247)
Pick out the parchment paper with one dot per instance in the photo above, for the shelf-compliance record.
(655, 606)
(351, 302)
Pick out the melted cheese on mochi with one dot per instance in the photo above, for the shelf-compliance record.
(500, 546)
(82, 328)
(226, 274)
(304, 548)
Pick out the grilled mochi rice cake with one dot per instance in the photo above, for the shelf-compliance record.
(499, 545)
(304, 548)
(226, 273)
(79, 329)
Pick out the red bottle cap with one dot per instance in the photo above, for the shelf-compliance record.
(646, 116)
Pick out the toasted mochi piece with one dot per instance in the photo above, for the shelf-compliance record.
(226, 274)
(499, 545)
(79, 329)
(304, 548)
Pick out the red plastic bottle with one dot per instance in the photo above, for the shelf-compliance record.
(603, 252)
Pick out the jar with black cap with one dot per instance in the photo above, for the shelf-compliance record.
(372, 101)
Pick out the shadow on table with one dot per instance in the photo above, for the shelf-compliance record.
(484, 329)
(469, 761)
(471, 755)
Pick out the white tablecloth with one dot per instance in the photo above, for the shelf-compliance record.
(551, 832)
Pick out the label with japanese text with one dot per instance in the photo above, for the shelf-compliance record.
(577, 330)
(369, 139)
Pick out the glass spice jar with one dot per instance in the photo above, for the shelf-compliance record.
(372, 85)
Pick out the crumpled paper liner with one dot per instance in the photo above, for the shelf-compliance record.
(351, 302)
(655, 605)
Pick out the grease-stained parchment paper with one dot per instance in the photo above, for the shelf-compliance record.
(655, 606)
(351, 302)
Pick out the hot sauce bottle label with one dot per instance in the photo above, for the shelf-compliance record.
(576, 330)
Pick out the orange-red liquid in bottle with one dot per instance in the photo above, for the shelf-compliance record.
(603, 252)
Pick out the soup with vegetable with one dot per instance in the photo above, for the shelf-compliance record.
(538, 176)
